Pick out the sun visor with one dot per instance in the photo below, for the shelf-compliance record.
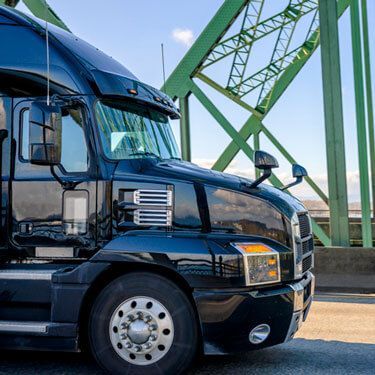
(112, 85)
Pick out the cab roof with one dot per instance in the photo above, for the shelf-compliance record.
(75, 64)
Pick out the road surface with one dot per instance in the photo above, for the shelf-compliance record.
(338, 338)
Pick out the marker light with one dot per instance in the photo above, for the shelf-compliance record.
(253, 248)
(262, 264)
(133, 91)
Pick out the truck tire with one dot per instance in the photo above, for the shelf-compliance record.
(142, 323)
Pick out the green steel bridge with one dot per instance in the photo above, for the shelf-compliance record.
(230, 38)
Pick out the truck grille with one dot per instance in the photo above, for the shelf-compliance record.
(304, 225)
(153, 197)
(307, 246)
(307, 263)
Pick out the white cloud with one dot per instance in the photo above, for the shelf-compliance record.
(183, 36)
(302, 191)
(233, 167)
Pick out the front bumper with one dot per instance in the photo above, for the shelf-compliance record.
(228, 316)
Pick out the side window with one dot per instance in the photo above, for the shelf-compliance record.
(74, 154)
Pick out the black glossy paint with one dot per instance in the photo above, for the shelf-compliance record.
(211, 210)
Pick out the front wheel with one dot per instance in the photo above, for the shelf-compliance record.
(142, 323)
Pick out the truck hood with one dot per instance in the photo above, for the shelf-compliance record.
(175, 170)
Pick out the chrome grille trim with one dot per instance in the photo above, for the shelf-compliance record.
(307, 263)
(153, 217)
(304, 224)
(303, 243)
(144, 197)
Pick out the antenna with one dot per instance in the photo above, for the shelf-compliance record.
(163, 62)
(48, 58)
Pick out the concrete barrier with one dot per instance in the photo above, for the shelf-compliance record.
(346, 270)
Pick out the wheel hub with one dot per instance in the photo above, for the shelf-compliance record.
(141, 330)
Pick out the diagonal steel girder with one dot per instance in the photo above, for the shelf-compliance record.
(280, 86)
(280, 50)
(40, 9)
(243, 145)
(250, 21)
(179, 83)
(245, 37)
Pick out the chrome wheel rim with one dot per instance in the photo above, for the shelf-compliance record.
(141, 330)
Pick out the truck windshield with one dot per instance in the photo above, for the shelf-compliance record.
(130, 131)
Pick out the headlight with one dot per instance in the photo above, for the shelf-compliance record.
(262, 264)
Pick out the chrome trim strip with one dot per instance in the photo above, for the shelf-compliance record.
(295, 324)
(299, 315)
(54, 252)
(25, 327)
(153, 217)
(26, 274)
(143, 197)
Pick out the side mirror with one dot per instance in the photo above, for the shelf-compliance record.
(45, 127)
(264, 161)
(299, 173)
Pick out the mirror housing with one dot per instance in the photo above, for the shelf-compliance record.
(266, 163)
(299, 173)
(45, 127)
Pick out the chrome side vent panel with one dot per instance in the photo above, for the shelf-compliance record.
(153, 217)
(153, 198)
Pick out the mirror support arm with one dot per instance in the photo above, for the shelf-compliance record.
(266, 174)
(68, 185)
(296, 182)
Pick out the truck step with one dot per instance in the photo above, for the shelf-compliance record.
(22, 274)
(26, 296)
(25, 328)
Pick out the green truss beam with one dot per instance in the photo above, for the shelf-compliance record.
(280, 51)
(361, 123)
(250, 21)
(178, 82)
(334, 124)
(272, 80)
(40, 9)
(369, 102)
(244, 38)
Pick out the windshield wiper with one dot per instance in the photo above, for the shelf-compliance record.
(144, 153)
(174, 158)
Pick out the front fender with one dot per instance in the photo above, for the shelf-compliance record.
(202, 262)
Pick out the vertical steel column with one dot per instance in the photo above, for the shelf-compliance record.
(370, 109)
(334, 123)
(185, 128)
(361, 123)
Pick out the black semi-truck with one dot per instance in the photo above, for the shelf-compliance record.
(109, 241)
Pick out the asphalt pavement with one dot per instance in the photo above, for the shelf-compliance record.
(337, 338)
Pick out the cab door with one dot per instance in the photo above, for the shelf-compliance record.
(51, 218)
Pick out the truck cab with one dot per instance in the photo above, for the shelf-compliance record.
(109, 241)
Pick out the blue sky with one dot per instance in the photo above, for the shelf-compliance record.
(132, 30)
